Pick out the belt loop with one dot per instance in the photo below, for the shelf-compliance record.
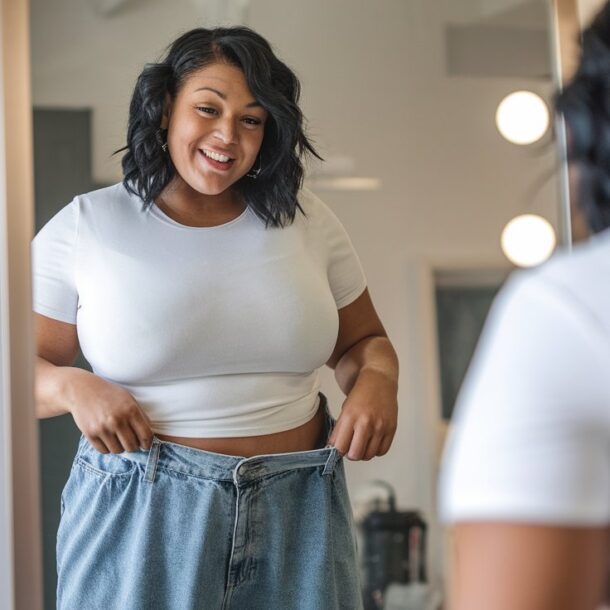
(331, 462)
(151, 463)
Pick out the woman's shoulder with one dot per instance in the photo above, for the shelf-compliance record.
(579, 276)
(318, 212)
(105, 195)
(310, 202)
(90, 206)
(584, 261)
(113, 203)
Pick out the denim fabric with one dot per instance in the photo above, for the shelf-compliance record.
(178, 528)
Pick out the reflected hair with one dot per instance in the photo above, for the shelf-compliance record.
(585, 105)
(147, 169)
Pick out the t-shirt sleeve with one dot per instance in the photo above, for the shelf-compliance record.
(346, 275)
(53, 249)
(529, 441)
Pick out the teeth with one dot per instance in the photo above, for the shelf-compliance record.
(216, 156)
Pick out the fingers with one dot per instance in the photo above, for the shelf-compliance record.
(97, 443)
(341, 436)
(107, 443)
(360, 441)
(127, 438)
(143, 431)
(348, 441)
(114, 423)
(385, 444)
(372, 449)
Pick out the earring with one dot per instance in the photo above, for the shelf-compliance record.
(160, 139)
(253, 173)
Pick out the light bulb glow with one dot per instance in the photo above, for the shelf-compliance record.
(522, 117)
(528, 240)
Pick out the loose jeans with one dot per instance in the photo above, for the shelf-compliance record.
(178, 528)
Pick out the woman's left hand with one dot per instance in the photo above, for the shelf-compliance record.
(367, 423)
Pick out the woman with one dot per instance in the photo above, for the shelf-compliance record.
(206, 290)
(526, 477)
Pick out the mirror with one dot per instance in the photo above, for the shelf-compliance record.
(401, 99)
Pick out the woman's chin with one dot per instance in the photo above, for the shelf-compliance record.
(210, 183)
(211, 187)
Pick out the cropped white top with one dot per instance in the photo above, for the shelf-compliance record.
(215, 331)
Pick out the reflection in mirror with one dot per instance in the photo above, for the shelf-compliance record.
(568, 18)
(401, 101)
(524, 477)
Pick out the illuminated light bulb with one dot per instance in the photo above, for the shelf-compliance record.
(522, 117)
(528, 240)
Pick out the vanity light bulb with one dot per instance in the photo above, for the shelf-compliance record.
(522, 117)
(528, 240)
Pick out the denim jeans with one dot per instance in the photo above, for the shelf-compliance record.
(178, 528)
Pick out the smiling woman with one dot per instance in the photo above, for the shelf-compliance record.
(214, 135)
(224, 93)
(206, 306)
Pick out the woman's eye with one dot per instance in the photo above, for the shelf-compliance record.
(248, 120)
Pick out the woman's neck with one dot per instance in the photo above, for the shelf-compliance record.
(189, 207)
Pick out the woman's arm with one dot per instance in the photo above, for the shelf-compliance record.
(104, 412)
(56, 350)
(503, 566)
(366, 369)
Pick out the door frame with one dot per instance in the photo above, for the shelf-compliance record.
(20, 513)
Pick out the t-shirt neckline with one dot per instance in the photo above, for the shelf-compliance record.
(158, 213)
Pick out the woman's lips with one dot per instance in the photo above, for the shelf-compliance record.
(217, 164)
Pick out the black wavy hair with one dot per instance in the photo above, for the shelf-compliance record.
(147, 169)
(585, 105)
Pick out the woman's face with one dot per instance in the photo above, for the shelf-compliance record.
(214, 113)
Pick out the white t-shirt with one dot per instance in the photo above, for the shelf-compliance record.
(531, 434)
(215, 331)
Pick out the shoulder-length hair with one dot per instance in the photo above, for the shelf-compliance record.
(585, 104)
(148, 169)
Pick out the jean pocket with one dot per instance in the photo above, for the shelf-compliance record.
(104, 464)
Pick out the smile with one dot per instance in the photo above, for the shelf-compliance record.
(216, 156)
(217, 161)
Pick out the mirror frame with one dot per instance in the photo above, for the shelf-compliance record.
(564, 30)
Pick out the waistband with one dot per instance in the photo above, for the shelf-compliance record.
(222, 467)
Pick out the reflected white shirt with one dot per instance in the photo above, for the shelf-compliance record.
(530, 439)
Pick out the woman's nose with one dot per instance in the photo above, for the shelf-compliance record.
(226, 130)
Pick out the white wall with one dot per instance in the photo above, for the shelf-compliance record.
(374, 88)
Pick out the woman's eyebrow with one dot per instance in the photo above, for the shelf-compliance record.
(224, 97)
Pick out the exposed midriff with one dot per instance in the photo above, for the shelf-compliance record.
(303, 438)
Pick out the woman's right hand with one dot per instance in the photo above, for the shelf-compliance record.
(107, 414)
